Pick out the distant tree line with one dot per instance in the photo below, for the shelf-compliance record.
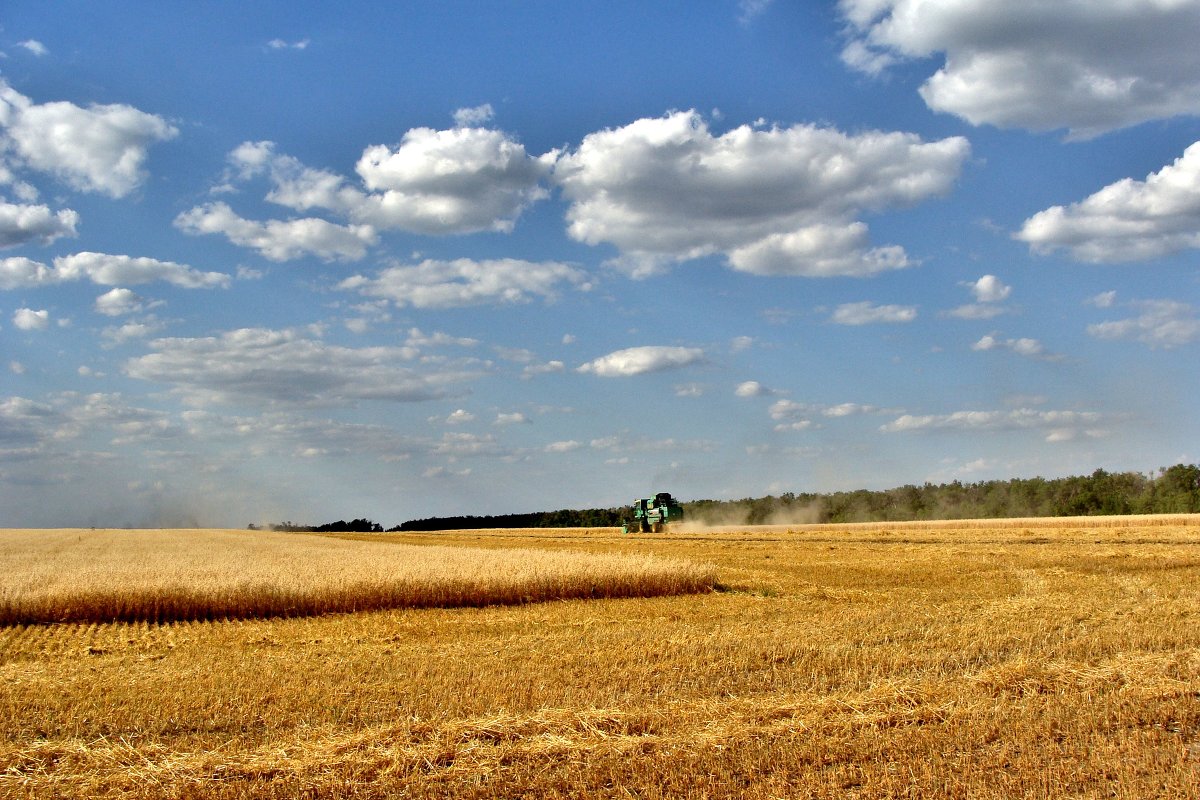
(565, 518)
(1173, 490)
(341, 526)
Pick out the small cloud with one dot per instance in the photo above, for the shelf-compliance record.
(35, 47)
(778, 316)
(859, 57)
(1030, 348)
(848, 410)
(548, 368)
(1161, 323)
(442, 472)
(642, 360)
(563, 447)
(867, 313)
(474, 116)
(465, 282)
(117, 302)
(1055, 423)
(1102, 300)
(800, 425)
(514, 418)
(459, 417)
(748, 10)
(518, 355)
(357, 325)
(753, 389)
(130, 331)
(740, 343)
(27, 319)
(977, 311)
(280, 44)
(989, 289)
(689, 390)
(249, 274)
(16, 368)
(568, 338)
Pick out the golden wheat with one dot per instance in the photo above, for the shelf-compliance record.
(1061, 660)
(160, 576)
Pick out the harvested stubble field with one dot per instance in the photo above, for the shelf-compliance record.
(990, 660)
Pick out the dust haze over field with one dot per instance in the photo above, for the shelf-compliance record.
(725, 518)
(1034, 658)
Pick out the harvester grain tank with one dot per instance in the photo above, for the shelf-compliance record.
(652, 514)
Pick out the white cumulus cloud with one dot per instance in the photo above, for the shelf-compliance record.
(773, 201)
(753, 389)
(549, 368)
(1059, 425)
(111, 270)
(101, 148)
(1090, 66)
(451, 181)
(281, 240)
(990, 289)
(257, 365)
(21, 224)
(641, 360)
(459, 416)
(28, 319)
(867, 313)
(473, 116)
(1128, 220)
(1023, 346)
(105, 269)
(283, 44)
(117, 302)
(35, 47)
(131, 331)
(23, 273)
(1160, 323)
(461, 180)
(465, 282)
(748, 10)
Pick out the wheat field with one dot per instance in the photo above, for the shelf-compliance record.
(180, 575)
(969, 660)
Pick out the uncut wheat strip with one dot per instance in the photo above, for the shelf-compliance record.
(212, 575)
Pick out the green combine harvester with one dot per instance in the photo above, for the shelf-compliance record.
(651, 514)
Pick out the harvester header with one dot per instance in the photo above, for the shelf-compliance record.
(651, 514)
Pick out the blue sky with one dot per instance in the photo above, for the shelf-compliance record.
(289, 261)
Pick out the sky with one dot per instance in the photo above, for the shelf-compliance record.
(304, 261)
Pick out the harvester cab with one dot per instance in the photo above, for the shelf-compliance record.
(651, 514)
